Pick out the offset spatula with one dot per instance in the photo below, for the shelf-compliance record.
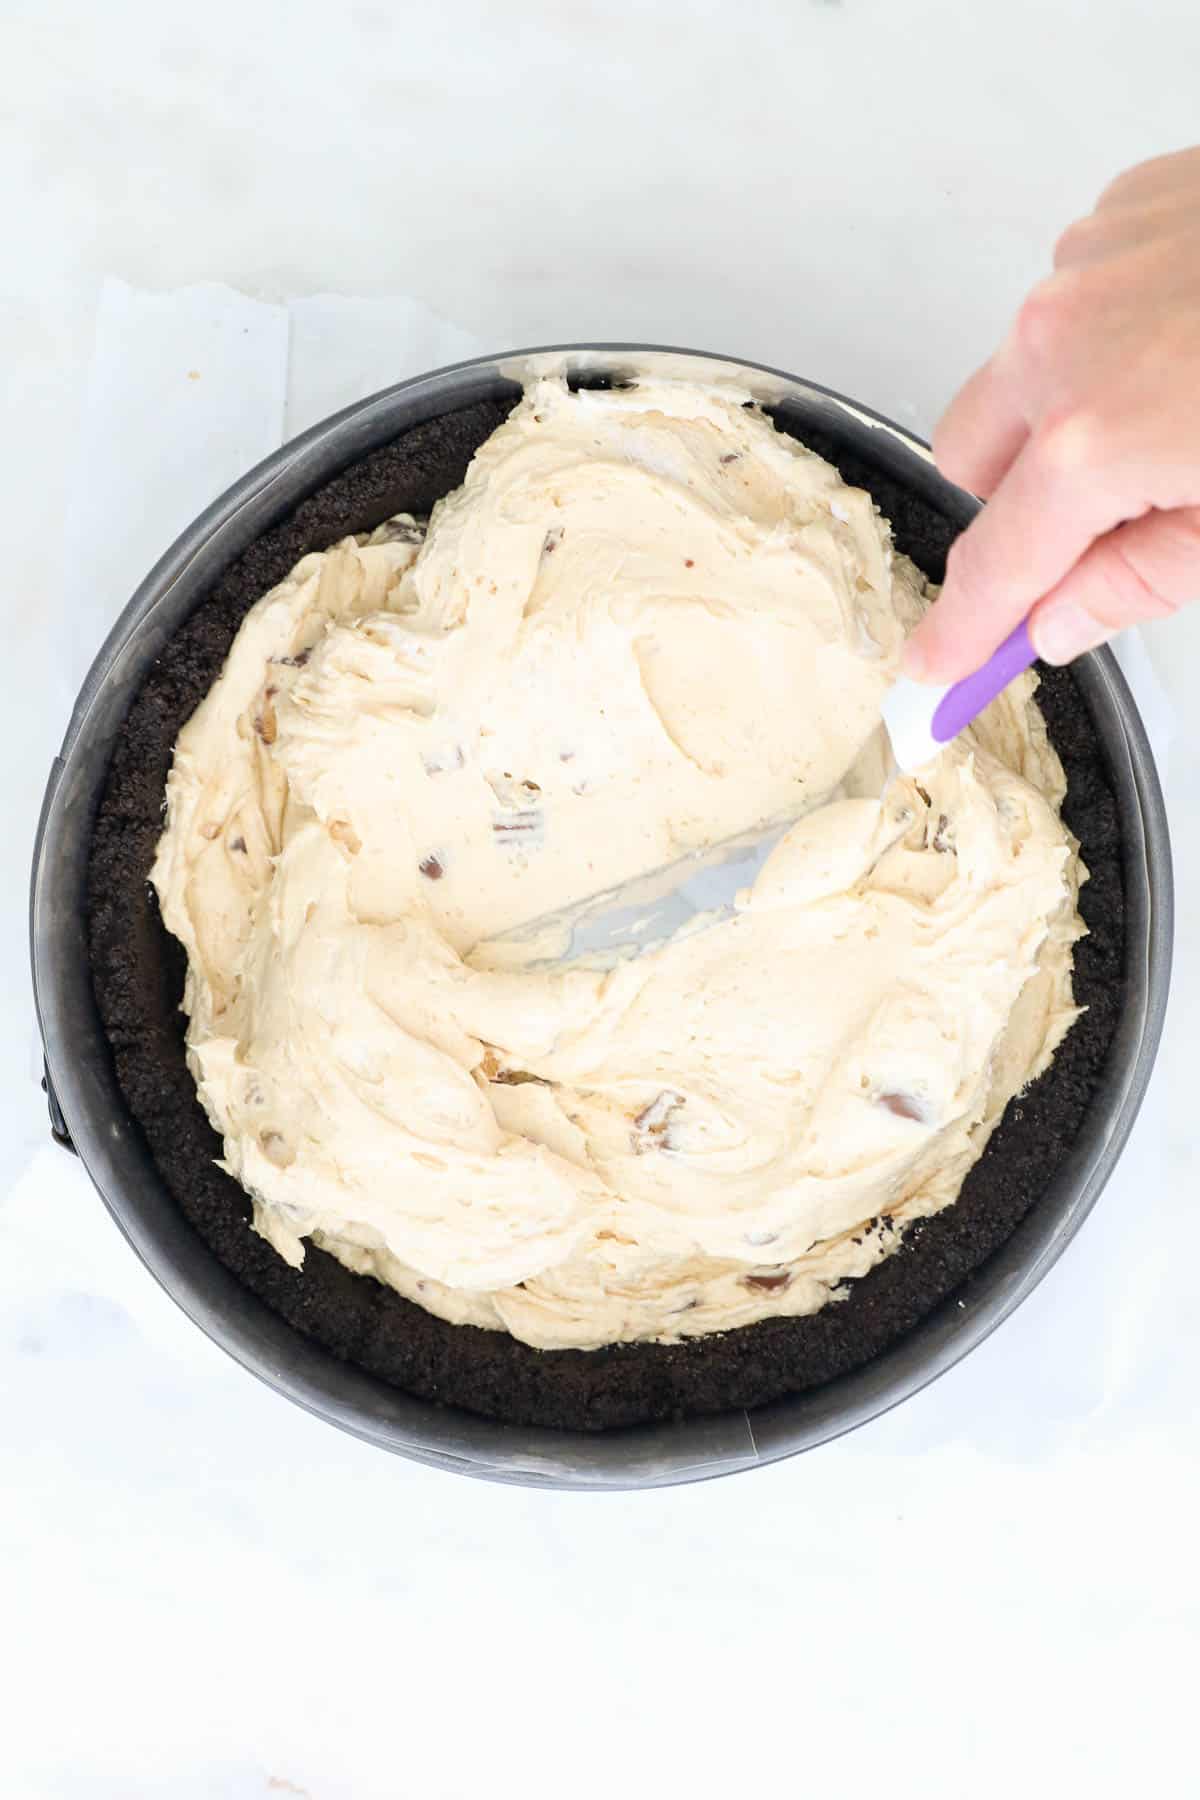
(649, 909)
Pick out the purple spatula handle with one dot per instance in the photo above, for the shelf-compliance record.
(967, 698)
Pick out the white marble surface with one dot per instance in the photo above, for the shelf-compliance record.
(208, 1594)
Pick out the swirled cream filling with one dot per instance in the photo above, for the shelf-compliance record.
(645, 622)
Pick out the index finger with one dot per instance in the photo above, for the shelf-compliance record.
(983, 428)
(1051, 505)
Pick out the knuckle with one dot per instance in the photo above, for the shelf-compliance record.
(1115, 191)
(1073, 443)
(1186, 524)
(1151, 177)
(1147, 569)
(1046, 313)
(1172, 575)
(1132, 182)
(1120, 581)
(1123, 592)
(1034, 325)
(1078, 240)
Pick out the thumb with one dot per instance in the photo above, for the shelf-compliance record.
(1143, 570)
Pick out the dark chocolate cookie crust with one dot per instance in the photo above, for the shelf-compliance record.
(138, 974)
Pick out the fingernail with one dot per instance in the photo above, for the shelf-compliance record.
(1061, 633)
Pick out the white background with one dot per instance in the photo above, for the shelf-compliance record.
(204, 1592)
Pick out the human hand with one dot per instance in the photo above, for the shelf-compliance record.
(1083, 435)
